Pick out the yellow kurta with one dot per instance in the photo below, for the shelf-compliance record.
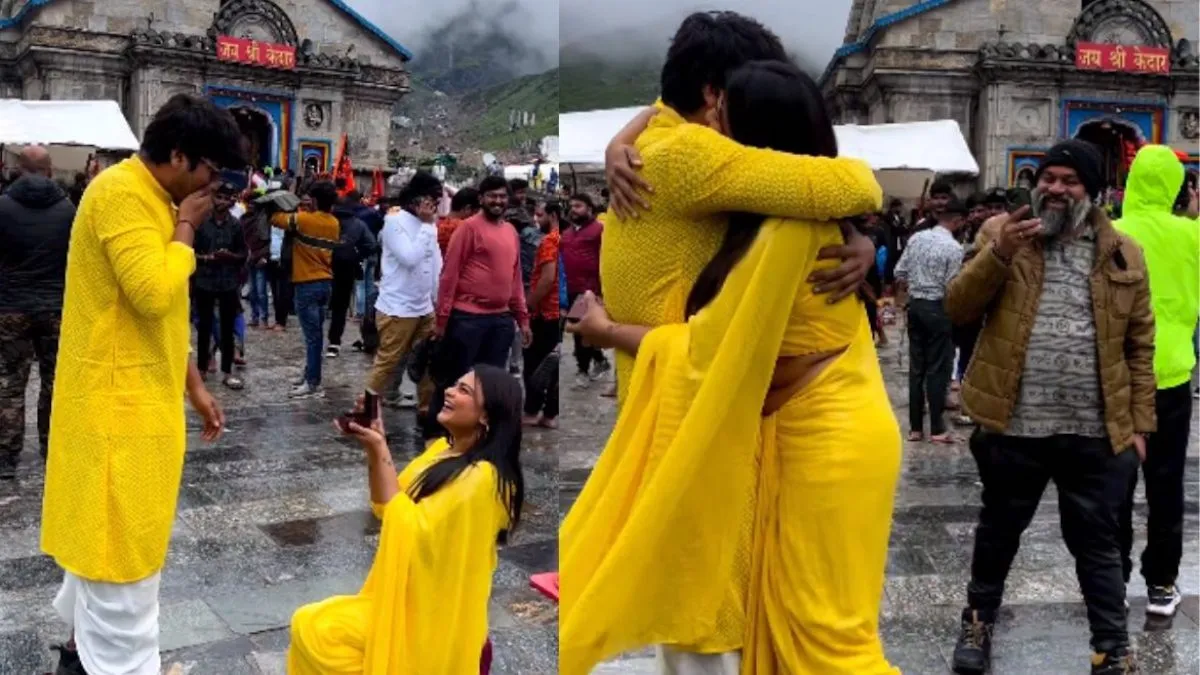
(117, 432)
(423, 608)
(648, 265)
(700, 513)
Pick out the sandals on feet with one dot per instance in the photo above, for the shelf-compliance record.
(944, 439)
(915, 436)
(234, 382)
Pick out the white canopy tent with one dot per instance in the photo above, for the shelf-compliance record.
(905, 156)
(99, 124)
(71, 130)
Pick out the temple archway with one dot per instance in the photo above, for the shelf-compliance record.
(1111, 136)
(258, 132)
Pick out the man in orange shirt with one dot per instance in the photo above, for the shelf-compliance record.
(316, 234)
(540, 357)
(463, 205)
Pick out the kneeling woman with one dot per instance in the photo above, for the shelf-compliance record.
(423, 608)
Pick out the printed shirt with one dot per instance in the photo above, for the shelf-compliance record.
(219, 275)
(929, 263)
(547, 252)
(1060, 385)
(411, 266)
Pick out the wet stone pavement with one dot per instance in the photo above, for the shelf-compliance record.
(1043, 626)
(274, 516)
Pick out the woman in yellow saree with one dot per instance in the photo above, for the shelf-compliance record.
(423, 608)
(743, 502)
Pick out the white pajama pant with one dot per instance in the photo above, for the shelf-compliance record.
(115, 625)
(672, 661)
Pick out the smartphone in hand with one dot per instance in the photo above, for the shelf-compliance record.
(364, 417)
(578, 309)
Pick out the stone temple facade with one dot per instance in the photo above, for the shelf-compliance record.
(347, 73)
(1005, 70)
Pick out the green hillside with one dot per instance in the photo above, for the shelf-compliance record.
(591, 84)
(490, 129)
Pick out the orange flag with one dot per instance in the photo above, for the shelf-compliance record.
(342, 168)
(376, 186)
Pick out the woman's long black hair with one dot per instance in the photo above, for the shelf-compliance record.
(769, 104)
(499, 443)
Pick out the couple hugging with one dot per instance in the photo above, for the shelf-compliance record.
(738, 517)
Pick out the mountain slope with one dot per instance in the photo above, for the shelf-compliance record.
(492, 108)
(593, 84)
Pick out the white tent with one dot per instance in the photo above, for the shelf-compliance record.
(904, 156)
(99, 124)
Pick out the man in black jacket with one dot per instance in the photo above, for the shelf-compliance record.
(356, 245)
(35, 228)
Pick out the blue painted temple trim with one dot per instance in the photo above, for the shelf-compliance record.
(371, 28)
(22, 13)
(864, 40)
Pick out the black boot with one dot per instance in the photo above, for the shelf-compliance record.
(1116, 662)
(68, 662)
(973, 651)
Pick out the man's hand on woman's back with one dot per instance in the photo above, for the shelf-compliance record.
(857, 256)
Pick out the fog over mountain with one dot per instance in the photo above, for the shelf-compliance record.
(634, 30)
(520, 35)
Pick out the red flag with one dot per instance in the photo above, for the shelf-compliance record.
(376, 186)
(342, 168)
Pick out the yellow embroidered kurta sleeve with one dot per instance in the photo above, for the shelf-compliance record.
(423, 608)
(722, 175)
(151, 276)
(649, 265)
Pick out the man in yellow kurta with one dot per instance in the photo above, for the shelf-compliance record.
(117, 434)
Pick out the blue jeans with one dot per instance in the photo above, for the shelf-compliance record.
(312, 298)
(259, 298)
(363, 289)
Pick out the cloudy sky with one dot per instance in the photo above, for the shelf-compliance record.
(411, 21)
(812, 29)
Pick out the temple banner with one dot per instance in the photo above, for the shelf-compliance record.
(266, 54)
(1122, 58)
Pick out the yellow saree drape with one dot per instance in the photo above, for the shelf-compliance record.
(423, 608)
(668, 544)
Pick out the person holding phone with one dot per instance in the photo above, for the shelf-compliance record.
(220, 256)
(423, 606)
(411, 266)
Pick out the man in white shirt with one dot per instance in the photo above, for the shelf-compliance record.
(929, 262)
(411, 265)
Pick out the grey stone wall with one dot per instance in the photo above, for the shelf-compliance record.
(967, 24)
(331, 30)
(368, 124)
(1182, 16)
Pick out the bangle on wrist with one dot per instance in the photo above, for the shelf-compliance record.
(185, 221)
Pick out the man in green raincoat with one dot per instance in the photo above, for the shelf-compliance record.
(1172, 248)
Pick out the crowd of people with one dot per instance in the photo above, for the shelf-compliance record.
(738, 518)
(466, 301)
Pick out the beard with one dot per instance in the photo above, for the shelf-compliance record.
(581, 218)
(1056, 221)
